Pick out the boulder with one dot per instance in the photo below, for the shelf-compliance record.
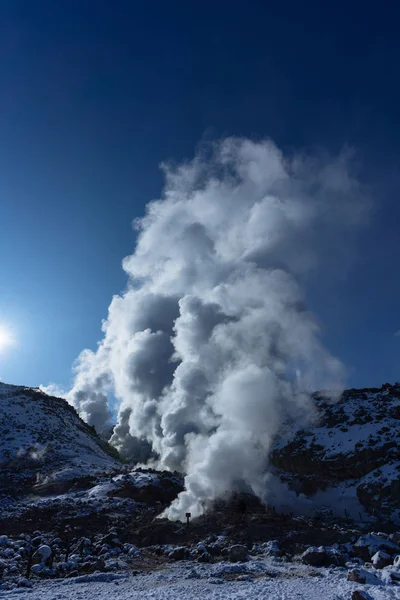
(73, 574)
(111, 539)
(335, 557)
(204, 557)
(396, 561)
(37, 569)
(381, 559)
(322, 557)
(357, 575)
(359, 595)
(395, 537)
(367, 545)
(238, 553)
(37, 540)
(43, 555)
(314, 556)
(23, 582)
(214, 549)
(271, 548)
(91, 566)
(178, 553)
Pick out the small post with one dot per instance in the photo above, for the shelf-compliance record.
(188, 515)
(360, 516)
(345, 512)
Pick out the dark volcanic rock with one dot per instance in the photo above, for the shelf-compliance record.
(204, 557)
(381, 559)
(357, 575)
(238, 553)
(322, 557)
(359, 595)
(178, 553)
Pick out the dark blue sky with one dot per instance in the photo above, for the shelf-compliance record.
(95, 94)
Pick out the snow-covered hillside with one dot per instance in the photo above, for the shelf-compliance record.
(43, 442)
(350, 459)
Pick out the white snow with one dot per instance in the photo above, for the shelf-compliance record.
(256, 580)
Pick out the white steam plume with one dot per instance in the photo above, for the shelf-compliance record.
(212, 348)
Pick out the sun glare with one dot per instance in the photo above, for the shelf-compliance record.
(6, 337)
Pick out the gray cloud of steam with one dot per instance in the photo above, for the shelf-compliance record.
(211, 348)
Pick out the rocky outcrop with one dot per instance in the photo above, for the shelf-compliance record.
(355, 443)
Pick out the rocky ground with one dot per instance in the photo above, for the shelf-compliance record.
(112, 524)
(243, 551)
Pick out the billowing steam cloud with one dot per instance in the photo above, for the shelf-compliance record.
(211, 348)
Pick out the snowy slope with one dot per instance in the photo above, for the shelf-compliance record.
(353, 451)
(43, 440)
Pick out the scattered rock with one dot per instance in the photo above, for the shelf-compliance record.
(111, 539)
(395, 537)
(214, 549)
(43, 555)
(396, 561)
(270, 548)
(357, 575)
(238, 553)
(322, 557)
(178, 553)
(23, 582)
(381, 559)
(367, 545)
(37, 540)
(363, 576)
(359, 595)
(313, 556)
(204, 557)
(193, 574)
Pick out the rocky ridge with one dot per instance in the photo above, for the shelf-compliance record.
(350, 457)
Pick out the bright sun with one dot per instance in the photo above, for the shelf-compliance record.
(6, 337)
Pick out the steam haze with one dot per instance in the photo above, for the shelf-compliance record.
(212, 349)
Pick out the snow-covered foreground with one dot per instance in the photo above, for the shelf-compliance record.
(258, 579)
